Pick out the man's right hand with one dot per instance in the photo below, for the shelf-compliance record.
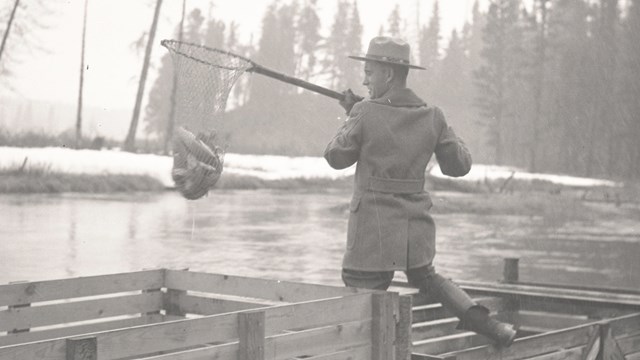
(349, 100)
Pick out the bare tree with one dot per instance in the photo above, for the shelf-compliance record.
(8, 29)
(172, 111)
(129, 142)
(79, 114)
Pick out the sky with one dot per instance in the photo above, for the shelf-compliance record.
(113, 67)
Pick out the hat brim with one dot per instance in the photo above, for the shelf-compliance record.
(364, 58)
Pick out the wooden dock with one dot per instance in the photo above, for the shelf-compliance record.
(183, 315)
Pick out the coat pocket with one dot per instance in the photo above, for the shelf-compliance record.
(352, 228)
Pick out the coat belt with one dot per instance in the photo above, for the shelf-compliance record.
(396, 186)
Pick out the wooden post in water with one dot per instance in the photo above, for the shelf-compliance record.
(510, 271)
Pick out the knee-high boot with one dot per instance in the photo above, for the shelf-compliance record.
(472, 316)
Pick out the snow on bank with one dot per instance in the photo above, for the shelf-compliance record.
(267, 167)
(494, 172)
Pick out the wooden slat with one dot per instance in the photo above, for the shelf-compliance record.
(436, 328)
(449, 343)
(627, 324)
(403, 328)
(251, 287)
(541, 321)
(251, 335)
(181, 334)
(12, 339)
(327, 343)
(208, 306)
(383, 326)
(532, 346)
(565, 354)
(629, 344)
(35, 316)
(85, 348)
(31, 292)
(436, 311)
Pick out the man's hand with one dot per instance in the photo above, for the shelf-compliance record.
(349, 100)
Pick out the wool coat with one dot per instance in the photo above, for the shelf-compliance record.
(392, 139)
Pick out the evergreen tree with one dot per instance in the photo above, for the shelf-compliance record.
(497, 78)
(309, 31)
(429, 56)
(336, 62)
(395, 22)
(353, 71)
(630, 91)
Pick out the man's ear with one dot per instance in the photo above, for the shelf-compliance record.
(390, 74)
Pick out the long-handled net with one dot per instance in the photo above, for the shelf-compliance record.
(205, 77)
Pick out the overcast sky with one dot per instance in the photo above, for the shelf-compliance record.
(113, 25)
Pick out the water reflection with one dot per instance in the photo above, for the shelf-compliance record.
(295, 236)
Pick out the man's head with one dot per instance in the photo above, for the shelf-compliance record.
(387, 64)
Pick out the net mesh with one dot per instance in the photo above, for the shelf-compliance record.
(204, 78)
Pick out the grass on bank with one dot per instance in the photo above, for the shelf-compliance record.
(18, 181)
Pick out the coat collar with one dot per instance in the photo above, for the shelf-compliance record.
(400, 98)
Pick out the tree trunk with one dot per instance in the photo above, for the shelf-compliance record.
(172, 110)
(79, 114)
(6, 32)
(129, 142)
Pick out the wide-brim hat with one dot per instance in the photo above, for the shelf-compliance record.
(389, 50)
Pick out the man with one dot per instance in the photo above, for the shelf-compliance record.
(392, 136)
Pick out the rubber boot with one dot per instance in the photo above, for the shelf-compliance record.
(477, 319)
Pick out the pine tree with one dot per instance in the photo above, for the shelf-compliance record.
(353, 70)
(309, 29)
(497, 78)
(429, 56)
(336, 62)
(395, 22)
(630, 90)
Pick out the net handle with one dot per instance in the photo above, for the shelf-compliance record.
(259, 69)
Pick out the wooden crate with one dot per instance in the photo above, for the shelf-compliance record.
(554, 322)
(175, 314)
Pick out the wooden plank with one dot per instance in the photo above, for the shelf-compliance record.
(383, 326)
(603, 298)
(430, 329)
(415, 356)
(628, 344)
(535, 345)
(251, 335)
(565, 354)
(542, 321)
(449, 343)
(326, 343)
(184, 303)
(403, 328)
(436, 311)
(12, 339)
(79, 311)
(181, 334)
(253, 288)
(31, 292)
(627, 324)
(85, 348)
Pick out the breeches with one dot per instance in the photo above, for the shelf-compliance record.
(434, 286)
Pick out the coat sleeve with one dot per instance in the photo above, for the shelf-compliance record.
(451, 151)
(344, 149)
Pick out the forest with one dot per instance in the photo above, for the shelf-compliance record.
(544, 85)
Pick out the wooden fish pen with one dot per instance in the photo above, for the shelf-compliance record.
(183, 315)
(554, 322)
(173, 314)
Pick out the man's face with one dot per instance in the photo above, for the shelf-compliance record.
(376, 79)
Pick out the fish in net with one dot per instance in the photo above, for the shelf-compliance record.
(204, 78)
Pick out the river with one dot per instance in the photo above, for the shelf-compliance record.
(296, 236)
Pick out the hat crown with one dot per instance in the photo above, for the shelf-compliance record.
(389, 49)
